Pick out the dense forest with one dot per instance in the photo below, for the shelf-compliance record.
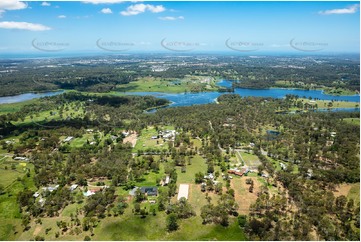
(95, 74)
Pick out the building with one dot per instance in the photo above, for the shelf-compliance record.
(73, 187)
(238, 172)
(89, 193)
(167, 179)
(69, 138)
(149, 191)
(21, 158)
(50, 188)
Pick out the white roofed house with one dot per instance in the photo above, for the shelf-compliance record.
(67, 139)
(73, 187)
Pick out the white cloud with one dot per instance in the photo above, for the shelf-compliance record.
(23, 26)
(45, 4)
(168, 18)
(106, 11)
(12, 5)
(61, 16)
(141, 8)
(349, 10)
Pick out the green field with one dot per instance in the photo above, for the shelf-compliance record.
(145, 140)
(276, 164)
(355, 121)
(338, 91)
(335, 104)
(250, 159)
(354, 193)
(15, 107)
(188, 84)
(198, 164)
(10, 225)
(131, 227)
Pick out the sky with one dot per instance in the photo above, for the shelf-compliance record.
(112, 26)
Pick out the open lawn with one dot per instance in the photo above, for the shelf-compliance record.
(277, 166)
(250, 160)
(151, 84)
(145, 141)
(355, 121)
(198, 164)
(335, 104)
(79, 142)
(131, 227)
(354, 193)
(15, 107)
(44, 116)
(151, 178)
(10, 226)
(349, 190)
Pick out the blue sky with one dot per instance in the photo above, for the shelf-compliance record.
(246, 27)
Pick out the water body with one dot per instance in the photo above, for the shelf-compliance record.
(189, 99)
(27, 97)
(282, 92)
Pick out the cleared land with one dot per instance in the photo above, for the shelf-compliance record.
(183, 191)
(188, 84)
(355, 121)
(335, 104)
(132, 138)
(250, 160)
(242, 194)
(145, 141)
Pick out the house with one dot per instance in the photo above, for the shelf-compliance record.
(309, 173)
(89, 193)
(238, 172)
(154, 137)
(283, 166)
(125, 133)
(149, 191)
(36, 194)
(73, 187)
(67, 139)
(42, 201)
(89, 130)
(50, 188)
(167, 179)
(21, 158)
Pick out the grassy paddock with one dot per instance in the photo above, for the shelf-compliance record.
(354, 121)
(354, 193)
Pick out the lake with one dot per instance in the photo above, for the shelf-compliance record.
(27, 97)
(188, 99)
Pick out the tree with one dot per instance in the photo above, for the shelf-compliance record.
(242, 220)
(199, 177)
(172, 222)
